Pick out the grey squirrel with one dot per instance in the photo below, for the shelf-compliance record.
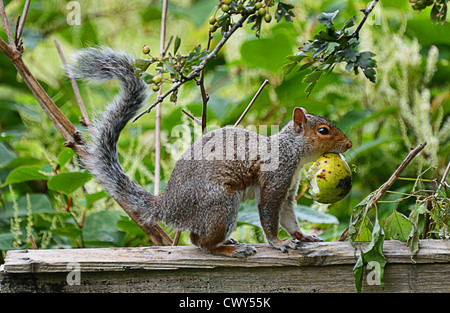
(215, 174)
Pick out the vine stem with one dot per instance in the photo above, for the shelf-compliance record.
(201, 66)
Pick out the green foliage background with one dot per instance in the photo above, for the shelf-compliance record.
(408, 104)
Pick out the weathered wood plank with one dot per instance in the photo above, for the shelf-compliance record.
(119, 259)
(317, 267)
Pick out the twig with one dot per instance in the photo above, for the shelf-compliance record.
(75, 88)
(6, 24)
(192, 117)
(22, 22)
(381, 191)
(205, 96)
(162, 50)
(251, 102)
(366, 12)
(200, 67)
(33, 243)
(176, 238)
(443, 179)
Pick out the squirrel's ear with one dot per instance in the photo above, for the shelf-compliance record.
(299, 118)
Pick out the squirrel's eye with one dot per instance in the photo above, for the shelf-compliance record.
(323, 131)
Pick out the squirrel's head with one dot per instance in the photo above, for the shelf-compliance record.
(320, 133)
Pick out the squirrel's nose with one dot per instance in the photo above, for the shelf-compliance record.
(349, 145)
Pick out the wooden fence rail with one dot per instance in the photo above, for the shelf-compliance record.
(316, 267)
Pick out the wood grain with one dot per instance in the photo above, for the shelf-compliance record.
(316, 267)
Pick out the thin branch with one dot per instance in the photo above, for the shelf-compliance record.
(443, 179)
(75, 88)
(381, 191)
(33, 243)
(192, 117)
(251, 102)
(6, 24)
(196, 72)
(162, 51)
(22, 22)
(366, 12)
(205, 96)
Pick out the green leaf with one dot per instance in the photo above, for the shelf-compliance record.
(310, 215)
(6, 241)
(349, 23)
(141, 64)
(39, 204)
(23, 174)
(373, 254)
(358, 271)
(275, 50)
(284, 10)
(397, 226)
(6, 155)
(100, 229)
(327, 18)
(413, 238)
(65, 156)
(91, 198)
(176, 45)
(68, 182)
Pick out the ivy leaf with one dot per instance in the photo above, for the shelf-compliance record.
(327, 18)
(284, 10)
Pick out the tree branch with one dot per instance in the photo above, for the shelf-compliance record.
(251, 103)
(381, 191)
(75, 88)
(196, 72)
(366, 12)
(22, 22)
(6, 24)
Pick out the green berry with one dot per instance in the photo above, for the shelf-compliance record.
(212, 28)
(155, 87)
(267, 18)
(212, 20)
(227, 1)
(156, 79)
(225, 7)
(258, 5)
(145, 49)
(262, 12)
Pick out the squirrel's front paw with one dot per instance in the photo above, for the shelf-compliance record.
(305, 238)
(285, 244)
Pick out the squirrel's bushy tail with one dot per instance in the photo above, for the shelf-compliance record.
(101, 64)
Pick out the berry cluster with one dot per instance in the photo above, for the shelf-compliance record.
(257, 10)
